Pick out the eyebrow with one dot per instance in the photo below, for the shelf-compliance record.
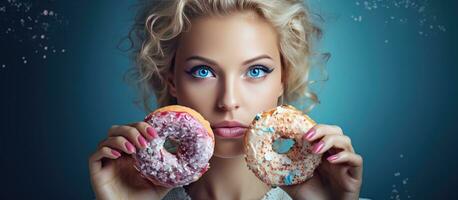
(215, 63)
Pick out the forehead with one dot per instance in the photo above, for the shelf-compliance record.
(240, 34)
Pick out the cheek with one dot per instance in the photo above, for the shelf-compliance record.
(264, 94)
(195, 94)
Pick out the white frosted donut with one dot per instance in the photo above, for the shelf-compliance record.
(195, 144)
(274, 148)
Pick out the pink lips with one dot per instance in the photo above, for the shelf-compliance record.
(229, 129)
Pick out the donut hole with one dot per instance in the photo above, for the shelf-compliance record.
(171, 144)
(283, 145)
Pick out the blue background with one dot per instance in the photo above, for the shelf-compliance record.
(392, 88)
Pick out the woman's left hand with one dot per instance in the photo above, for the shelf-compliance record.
(339, 176)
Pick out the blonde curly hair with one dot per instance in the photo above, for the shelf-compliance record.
(159, 23)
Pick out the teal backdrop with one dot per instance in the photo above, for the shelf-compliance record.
(392, 88)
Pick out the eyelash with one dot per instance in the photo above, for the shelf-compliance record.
(191, 72)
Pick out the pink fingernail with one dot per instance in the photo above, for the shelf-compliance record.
(333, 157)
(130, 147)
(150, 130)
(310, 134)
(142, 141)
(318, 147)
(115, 153)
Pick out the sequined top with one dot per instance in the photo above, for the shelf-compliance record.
(179, 193)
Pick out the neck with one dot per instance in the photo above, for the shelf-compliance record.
(227, 178)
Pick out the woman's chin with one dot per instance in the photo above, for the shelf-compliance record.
(228, 148)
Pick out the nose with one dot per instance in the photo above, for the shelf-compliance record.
(228, 97)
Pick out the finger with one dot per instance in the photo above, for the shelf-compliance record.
(145, 129)
(332, 141)
(130, 133)
(352, 159)
(95, 160)
(320, 130)
(119, 143)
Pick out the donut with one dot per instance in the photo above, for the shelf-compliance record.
(193, 138)
(274, 148)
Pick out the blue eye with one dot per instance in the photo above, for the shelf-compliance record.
(259, 71)
(201, 72)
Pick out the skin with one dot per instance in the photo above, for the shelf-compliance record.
(226, 89)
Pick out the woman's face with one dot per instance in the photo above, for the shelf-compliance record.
(228, 69)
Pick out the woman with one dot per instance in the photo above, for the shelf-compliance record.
(227, 59)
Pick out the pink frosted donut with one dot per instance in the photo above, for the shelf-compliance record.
(275, 150)
(194, 141)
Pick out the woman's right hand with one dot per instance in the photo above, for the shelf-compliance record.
(111, 165)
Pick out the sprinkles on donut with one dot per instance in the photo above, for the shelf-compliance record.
(274, 148)
(193, 139)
